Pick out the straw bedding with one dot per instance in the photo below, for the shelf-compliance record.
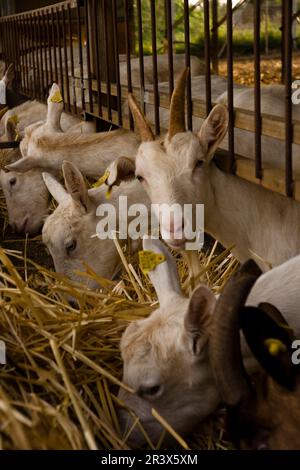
(59, 387)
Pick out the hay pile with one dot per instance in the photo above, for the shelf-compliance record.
(59, 387)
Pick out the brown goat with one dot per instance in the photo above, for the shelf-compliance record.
(264, 411)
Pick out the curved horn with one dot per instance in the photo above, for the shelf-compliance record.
(177, 106)
(144, 129)
(225, 350)
(3, 111)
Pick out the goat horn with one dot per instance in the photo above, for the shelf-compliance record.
(225, 350)
(177, 114)
(144, 128)
(3, 111)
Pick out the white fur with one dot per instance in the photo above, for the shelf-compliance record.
(156, 350)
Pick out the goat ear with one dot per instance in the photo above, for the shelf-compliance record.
(198, 316)
(164, 276)
(55, 188)
(270, 339)
(75, 184)
(213, 130)
(24, 164)
(122, 169)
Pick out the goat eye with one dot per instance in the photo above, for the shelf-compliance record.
(140, 178)
(149, 391)
(199, 164)
(13, 181)
(71, 246)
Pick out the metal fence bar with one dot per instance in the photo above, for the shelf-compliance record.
(29, 57)
(51, 78)
(288, 97)
(42, 84)
(45, 48)
(141, 52)
(188, 64)
(170, 46)
(154, 65)
(88, 56)
(107, 71)
(54, 45)
(80, 54)
(215, 37)
(66, 58)
(128, 61)
(230, 86)
(72, 58)
(61, 73)
(207, 57)
(98, 69)
(117, 63)
(33, 57)
(257, 91)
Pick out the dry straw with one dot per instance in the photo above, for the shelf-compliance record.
(59, 387)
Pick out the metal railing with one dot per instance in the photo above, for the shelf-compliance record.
(82, 44)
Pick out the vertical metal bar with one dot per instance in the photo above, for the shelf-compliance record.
(72, 57)
(42, 85)
(230, 86)
(62, 84)
(51, 79)
(25, 58)
(66, 57)
(283, 24)
(16, 53)
(288, 98)
(257, 92)
(38, 64)
(215, 37)
(97, 39)
(188, 64)
(54, 44)
(154, 65)
(80, 54)
(28, 56)
(44, 32)
(141, 52)
(207, 57)
(45, 47)
(117, 64)
(170, 46)
(108, 90)
(21, 47)
(32, 37)
(88, 53)
(127, 43)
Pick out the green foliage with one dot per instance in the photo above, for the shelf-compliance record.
(242, 37)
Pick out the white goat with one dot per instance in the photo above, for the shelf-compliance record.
(26, 195)
(183, 171)
(45, 147)
(69, 232)
(197, 68)
(166, 356)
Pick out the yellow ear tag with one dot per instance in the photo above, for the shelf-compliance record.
(108, 192)
(14, 119)
(275, 346)
(149, 260)
(56, 97)
(101, 180)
